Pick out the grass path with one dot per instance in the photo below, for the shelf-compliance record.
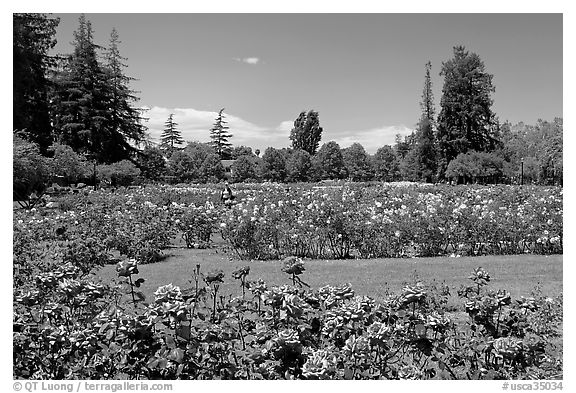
(518, 274)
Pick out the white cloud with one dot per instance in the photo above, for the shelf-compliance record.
(248, 60)
(286, 125)
(195, 126)
(372, 139)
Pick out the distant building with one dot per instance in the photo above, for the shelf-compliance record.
(227, 164)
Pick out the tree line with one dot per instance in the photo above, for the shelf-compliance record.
(77, 115)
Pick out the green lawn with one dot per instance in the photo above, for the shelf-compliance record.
(518, 274)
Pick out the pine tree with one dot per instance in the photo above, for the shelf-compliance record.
(220, 135)
(426, 151)
(79, 103)
(466, 121)
(124, 119)
(83, 102)
(33, 37)
(427, 103)
(307, 133)
(91, 102)
(425, 139)
(171, 136)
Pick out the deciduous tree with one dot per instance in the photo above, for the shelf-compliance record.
(298, 166)
(31, 170)
(244, 168)
(357, 163)
(307, 133)
(274, 165)
(152, 163)
(328, 163)
(386, 165)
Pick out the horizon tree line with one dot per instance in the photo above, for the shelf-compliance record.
(83, 100)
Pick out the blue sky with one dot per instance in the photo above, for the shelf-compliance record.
(363, 73)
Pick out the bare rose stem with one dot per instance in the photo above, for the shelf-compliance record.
(241, 333)
(196, 290)
(132, 289)
(498, 320)
(216, 287)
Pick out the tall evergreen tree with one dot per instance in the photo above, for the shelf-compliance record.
(171, 137)
(220, 136)
(466, 121)
(427, 103)
(425, 139)
(307, 133)
(80, 97)
(426, 151)
(33, 37)
(91, 109)
(124, 119)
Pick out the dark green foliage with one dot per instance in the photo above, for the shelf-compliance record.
(238, 151)
(307, 132)
(466, 121)
(91, 101)
(33, 37)
(198, 152)
(298, 166)
(274, 165)
(181, 166)
(68, 165)
(124, 119)
(476, 166)
(244, 168)
(357, 163)
(386, 165)
(81, 96)
(220, 137)
(122, 173)
(426, 151)
(425, 138)
(402, 147)
(539, 146)
(211, 169)
(427, 103)
(206, 165)
(152, 163)
(410, 167)
(31, 171)
(171, 137)
(328, 163)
